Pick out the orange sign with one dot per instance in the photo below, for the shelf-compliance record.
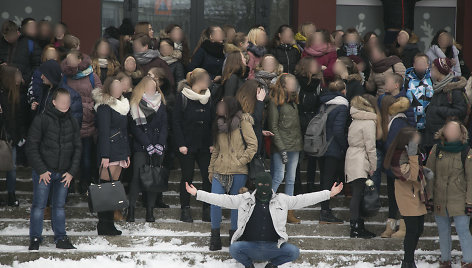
(163, 7)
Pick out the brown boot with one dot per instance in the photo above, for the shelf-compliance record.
(118, 216)
(445, 264)
(47, 213)
(291, 218)
(390, 229)
(466, 265)
(401, 230)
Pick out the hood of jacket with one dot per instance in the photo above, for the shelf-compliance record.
(401, 105)
(361, 104)
(334, 98)
(456, 83)
(231, 48)
(119, 105)
(52, 71)
(358, 114)
(85, 63)
(258, 51)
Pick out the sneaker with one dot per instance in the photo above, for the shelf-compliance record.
(34, 244)
(327, 217)
(64, 243)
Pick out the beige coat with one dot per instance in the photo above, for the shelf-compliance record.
(376, 81)
(229, 156)
(361, 155)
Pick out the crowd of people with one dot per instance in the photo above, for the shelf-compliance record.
(352, 107)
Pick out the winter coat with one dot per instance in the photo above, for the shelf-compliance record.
(258, 116)
(84, 87)
(408, 54)
(154, 132)
(54, 143)
(354, 86)
(435, 52)
(398, 120)
(192, 122)
(287, 55)
(309, 98)
(284, 121)
(6, 50)
(278, 207)
(361, 156)
(113, 67)
(234, 82)
(328, 59)
(27, 57)
(255, 54)
(376, 81)
(112, 123)
(451, 188)
(336, 124)
(230, 155)
(266, 80)
(448, 102)
(419, 92)
(408, 112)
(210, 57)
(14, 122)
(408, 192)
(399, 14)
(178, 71)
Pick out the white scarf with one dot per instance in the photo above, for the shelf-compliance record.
(103, 63)
(202, 98)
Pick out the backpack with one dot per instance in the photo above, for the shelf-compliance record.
(30, 46)
(464, 154)
(91, 78)
(315, 143)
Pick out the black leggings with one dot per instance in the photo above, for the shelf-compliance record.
(187, 163)
(357, 190)
(392, 201)
(414, 229)
(330, 173)
(139, 159)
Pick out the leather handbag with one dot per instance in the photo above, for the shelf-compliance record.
(371, 200)
(257, 164)
(107, 196)
(154, 177)
(5, 152)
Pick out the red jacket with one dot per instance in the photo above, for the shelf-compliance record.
(325, 59)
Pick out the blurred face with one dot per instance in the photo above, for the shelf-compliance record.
(103, 50)
(59, 31)
(151, 88)
(243, 59)
(416, 138)
(361, 66)
(390, 85)
(130, 64)
(309, 30)
(12, 37)
(126, 84)
(376, 54)
(244, 45)
(62, 102)
(204, 82)
(421, 64)
(402, 39)
(261, 38)
(338, 39)
(115, 89)
(221, 109)
(314, 67)
(286, 36)
(150, 31)
(45, 31)
(166, 49)
(51, 54)
(290, 85)
(452, 132)
(230, 34)
(317, 39)
(339, 67)
(176, 35)
(444, 40)
(30, 29)
(351, 38)
(217, 35)
(268, 64)
(372, 40)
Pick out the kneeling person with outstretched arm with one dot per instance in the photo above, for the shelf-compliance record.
(262, 216)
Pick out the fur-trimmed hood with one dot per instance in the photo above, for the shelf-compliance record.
(361, 104)
(354, 77)
(119, 105)
(231, 48)
(400, 106)
(248, 117)
(456, 83)
(464, 134)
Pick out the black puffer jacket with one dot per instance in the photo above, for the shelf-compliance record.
(287, 55)
(27, 57)
(399, 14)
(178, 70)
(6, 50)
(449, 102)
(54, 143)
(354, 86)
(13, 119)
(309, 98)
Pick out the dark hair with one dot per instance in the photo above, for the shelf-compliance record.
(143, 39)
(402, 139)
(246, 95)
(352, 31)
(420, 55)
(185, 46)
(325, 34)
(8, 83)
(303, 69)
(167, 40)
(9, 26)
(112, 32)
(58, 91)
(232, 107)
(281, 29)
(449, 51)
(205, 35)
(26, 20)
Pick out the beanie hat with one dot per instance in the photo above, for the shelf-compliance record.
(52, 71)
(444, 65)
(126, 27)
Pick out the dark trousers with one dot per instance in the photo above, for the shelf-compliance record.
(139, 159)
(86, 160)
(330, 175)
(357, 190)
(187, 164)
(392, 201)
(414, 229)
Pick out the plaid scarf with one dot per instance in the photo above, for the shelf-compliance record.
(400, 158)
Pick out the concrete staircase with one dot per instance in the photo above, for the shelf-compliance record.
(329, 244)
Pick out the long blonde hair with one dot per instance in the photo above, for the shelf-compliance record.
(138, 91)
(253, 34)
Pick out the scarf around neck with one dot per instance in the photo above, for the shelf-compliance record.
(103, 63)
(215, 49)
(168, 59)
(452, 147)
(83, 73)
(192, 95)
(147, 106)
(226, 127)
(320, 50)
(146, 56)
(384, 64)
(439, 86)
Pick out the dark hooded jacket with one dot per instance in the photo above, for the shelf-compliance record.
(336, 124)
(287, 55)
(309, 100)
(27, 57)
(209, 56)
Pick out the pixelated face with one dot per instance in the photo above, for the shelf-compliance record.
(62, 102)
(452, 132)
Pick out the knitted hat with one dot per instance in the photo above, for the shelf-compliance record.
(444, 65)
(126, 27)
(52, 71)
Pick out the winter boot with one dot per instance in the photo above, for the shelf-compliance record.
(466, 265)
(12, 201)
(105, 224)
(186, 215)
(130, 216)
(215, 240)
(358, 230)
(250, 266)
(366, 234)
(64, 243)
(34, 244)
(160, 202)
(390, 229)
(401, 231)
(206, 213)
(150, 214)
(270, 265)
(231, 233)
(327, 217)
(445, 264)
(291, 218)
(408, 264)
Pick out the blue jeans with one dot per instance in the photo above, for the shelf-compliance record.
(445, 241)
(58, 200)
(11, 175)
(239, 180)
(246, 252)
(277, 170)
(377, 177)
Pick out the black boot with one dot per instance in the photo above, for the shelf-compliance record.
(408, 264)
(366, 234)
(231, 233)
(83, 187)
(159, 202)
(186, 215)
(12, 201)
(327, 217)
(130, 216)
(106, 224)
(150, 215)
(64, 243)
(250, 266)
(34, 244)
(270, 265)
(215, 240)
(206, 213)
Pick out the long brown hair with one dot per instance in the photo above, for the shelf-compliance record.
(113, 64)
(8, 83)
(303, 69)
(234, 63)
(205, 35)
(246, 95)
(138, 91)
(385, 104)
(402, 139)
(278, 94)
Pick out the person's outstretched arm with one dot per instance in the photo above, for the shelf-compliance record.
(305, 200)
(221, 200)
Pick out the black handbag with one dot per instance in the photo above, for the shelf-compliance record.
(153, 176)
(371, 200)
(257, 164)
(5, 152)
(107, 196)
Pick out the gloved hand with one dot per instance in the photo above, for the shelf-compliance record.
(428, 173)
(284, 157)
(151, 149)
(159, 149)
(468, 210)
(412, 148)
(430, 205)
